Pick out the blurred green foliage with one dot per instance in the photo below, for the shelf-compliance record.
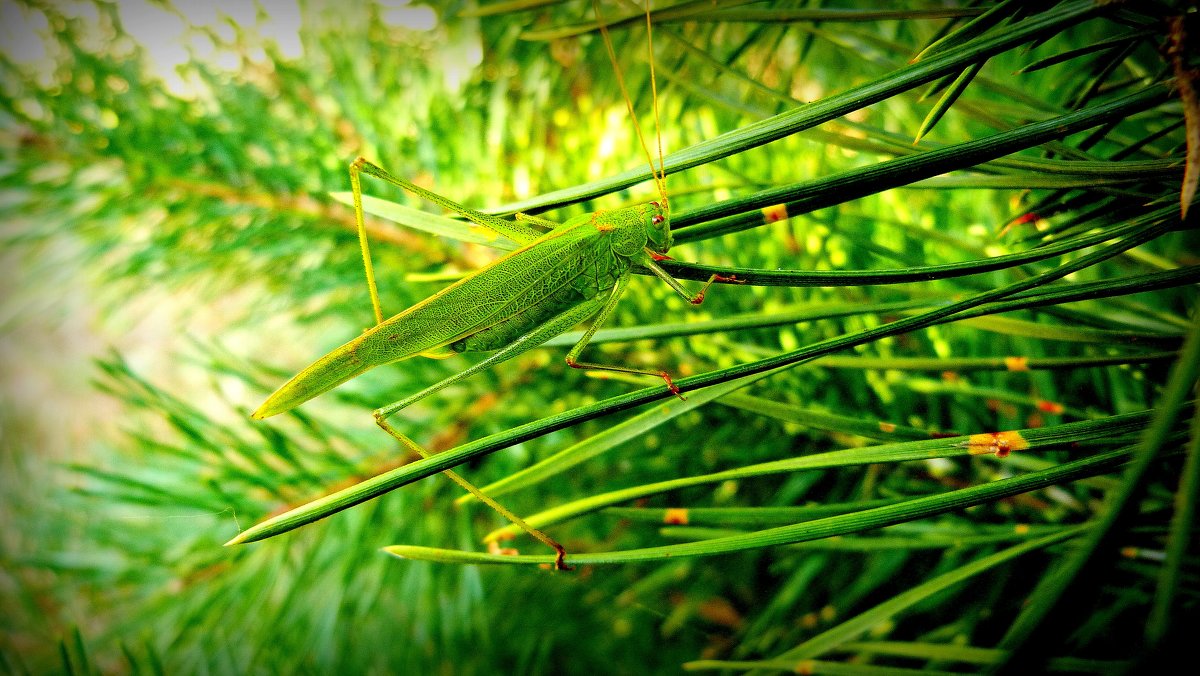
(203, 191)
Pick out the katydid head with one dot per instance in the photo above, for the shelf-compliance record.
(657, 219)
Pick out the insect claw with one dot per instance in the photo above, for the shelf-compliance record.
(659, 257)
(671, 385)
(728, 279)
(560, 560)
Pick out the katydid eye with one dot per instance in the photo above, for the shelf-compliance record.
(656, 205)
(656, 219)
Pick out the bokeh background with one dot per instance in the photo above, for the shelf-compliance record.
(173, 249)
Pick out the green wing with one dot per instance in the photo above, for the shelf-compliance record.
(572, 260)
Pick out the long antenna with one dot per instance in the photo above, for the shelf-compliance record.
(661, 177)
(659, 180)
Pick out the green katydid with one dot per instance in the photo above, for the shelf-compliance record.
(552, 282)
